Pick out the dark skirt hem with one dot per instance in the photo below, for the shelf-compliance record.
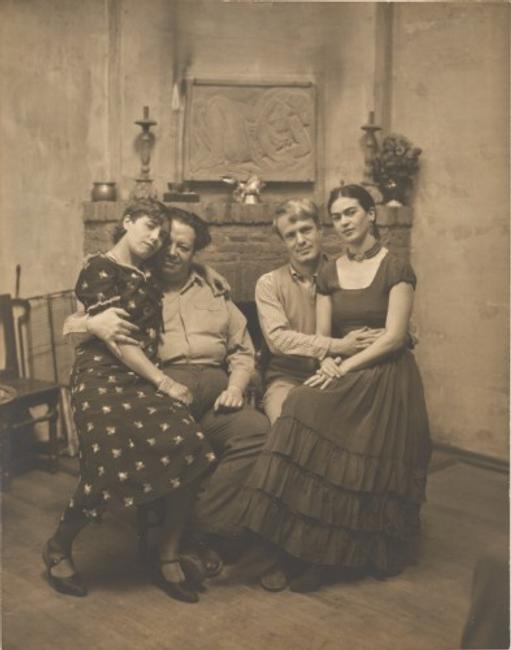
(386, 549)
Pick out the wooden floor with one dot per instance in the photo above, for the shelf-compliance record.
(425, 607)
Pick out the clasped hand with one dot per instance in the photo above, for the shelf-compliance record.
(329, 370)
(333, 368)
(360, 339)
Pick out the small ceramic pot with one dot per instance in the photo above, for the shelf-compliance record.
(104, 191)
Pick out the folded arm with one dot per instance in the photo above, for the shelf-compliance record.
(351, 343)
(111, 326)
(280, 336)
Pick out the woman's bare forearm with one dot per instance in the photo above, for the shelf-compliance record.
(383, 346)
(135, 358)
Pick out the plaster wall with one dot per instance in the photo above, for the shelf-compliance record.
(76, 76)
(143, 46)
(53, 136)
(451, 97)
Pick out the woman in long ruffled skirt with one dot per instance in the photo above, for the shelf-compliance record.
(341, 479)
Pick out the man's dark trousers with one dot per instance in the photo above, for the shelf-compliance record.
(237, 438)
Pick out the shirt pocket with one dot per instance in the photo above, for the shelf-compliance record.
(210, 318)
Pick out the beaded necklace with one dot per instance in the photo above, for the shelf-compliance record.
(360, 257)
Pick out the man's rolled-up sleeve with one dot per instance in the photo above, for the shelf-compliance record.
(277, 330)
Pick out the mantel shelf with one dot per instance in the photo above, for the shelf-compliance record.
(227, 212)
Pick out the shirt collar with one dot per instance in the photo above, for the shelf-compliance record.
(296, 275)
(193, 278)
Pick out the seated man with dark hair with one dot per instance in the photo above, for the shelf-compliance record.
(206, 349)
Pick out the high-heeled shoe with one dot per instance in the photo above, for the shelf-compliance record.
(183, 591)
(72, 585)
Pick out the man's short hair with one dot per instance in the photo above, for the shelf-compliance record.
(296, 210)
(200, 227)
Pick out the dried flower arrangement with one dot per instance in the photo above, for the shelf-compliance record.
(394, 167)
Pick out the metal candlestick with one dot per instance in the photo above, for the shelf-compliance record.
(144, 184)
(370, 145)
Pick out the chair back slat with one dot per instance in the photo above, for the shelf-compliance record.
(8, 353)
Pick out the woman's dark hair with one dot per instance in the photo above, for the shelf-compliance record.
(141, 208)
(200, 227)
(357, 192)
(352, 192)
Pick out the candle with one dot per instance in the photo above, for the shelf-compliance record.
(146, 112)
(371, 117)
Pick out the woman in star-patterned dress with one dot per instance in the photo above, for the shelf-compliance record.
(138, 441)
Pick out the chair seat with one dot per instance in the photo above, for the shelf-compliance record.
(32, 388)
(14, 416)
(19, 396)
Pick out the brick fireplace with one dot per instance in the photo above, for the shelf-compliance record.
(244, 246)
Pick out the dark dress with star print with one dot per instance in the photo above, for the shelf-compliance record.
(136, 444)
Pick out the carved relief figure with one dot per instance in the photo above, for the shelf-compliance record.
(239, 130)
(283, 122)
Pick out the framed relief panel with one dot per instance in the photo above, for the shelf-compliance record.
(240, 128)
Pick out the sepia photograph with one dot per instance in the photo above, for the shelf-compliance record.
(254, 325)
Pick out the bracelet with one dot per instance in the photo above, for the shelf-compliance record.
(165, 384)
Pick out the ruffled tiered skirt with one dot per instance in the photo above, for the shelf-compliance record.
(342, 476)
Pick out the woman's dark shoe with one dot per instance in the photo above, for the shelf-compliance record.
(310, 580)
(183, 591)
(72, 585)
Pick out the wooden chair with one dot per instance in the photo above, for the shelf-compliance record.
(19, 393)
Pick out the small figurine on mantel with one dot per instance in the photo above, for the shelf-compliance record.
(249, 191)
